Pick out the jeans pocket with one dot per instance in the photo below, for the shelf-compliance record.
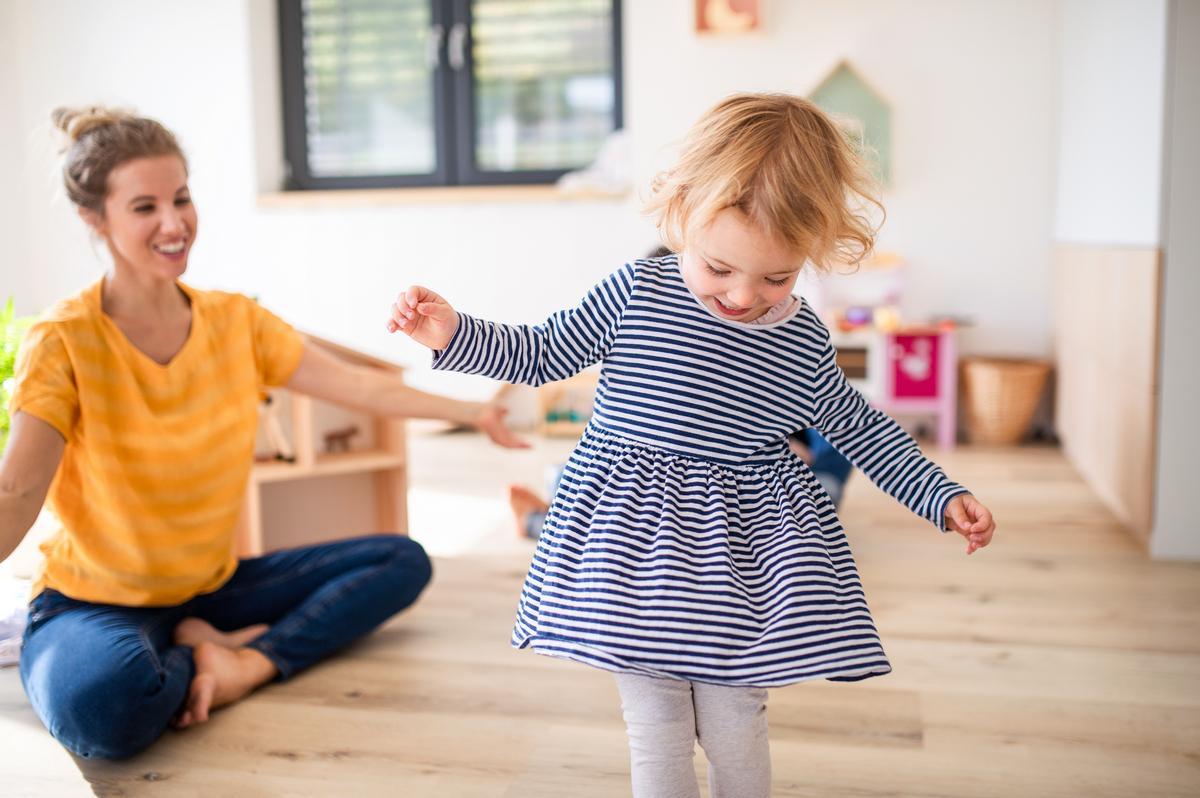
(46, 605)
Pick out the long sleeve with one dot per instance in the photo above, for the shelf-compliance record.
(565, 344)
(877, 445)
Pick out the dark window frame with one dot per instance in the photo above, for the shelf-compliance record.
(453, 112)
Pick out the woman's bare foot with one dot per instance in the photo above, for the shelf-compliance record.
(194, 631)
(223, 676)
(800, 450)
(523, 502)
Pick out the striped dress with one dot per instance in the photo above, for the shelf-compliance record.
(685, 540)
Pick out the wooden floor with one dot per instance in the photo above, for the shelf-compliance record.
(1058, 662)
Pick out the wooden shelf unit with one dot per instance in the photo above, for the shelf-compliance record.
(384, 459)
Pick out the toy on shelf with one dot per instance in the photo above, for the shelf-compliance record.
(868, 297)
(566, 405)
(281, 447)
(338, 440)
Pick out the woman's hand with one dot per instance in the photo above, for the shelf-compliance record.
(966, 516)
(424, 317)
(490, 420)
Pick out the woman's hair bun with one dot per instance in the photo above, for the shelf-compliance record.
(78, 122)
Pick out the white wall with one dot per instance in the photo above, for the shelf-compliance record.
(1111, 110)
(1129, 175)
(15, 271)
(972, 86)
(1176, 531)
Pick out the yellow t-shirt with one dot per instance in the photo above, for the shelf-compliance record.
(157, 458)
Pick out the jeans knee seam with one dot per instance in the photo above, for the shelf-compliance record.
(288, 628)
(310, 567)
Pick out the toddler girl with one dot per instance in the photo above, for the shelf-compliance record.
(687, 549)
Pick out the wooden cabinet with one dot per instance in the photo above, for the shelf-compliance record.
(359, 488)
(907, 371)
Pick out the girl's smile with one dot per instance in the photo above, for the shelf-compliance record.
(728, 311)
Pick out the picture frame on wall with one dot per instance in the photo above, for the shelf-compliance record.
(728, 16)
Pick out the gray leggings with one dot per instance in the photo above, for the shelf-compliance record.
(665, 718)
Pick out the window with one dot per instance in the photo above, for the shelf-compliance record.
(382, 93)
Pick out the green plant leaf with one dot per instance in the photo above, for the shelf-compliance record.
(12, 330)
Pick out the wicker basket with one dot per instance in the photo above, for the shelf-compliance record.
(1001, 396)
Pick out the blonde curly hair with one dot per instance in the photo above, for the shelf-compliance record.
(784, 163)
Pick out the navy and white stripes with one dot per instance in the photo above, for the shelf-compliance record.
(684, 539)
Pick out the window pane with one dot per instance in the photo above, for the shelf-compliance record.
(544, 91)
(368, 89)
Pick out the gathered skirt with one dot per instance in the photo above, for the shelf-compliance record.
(668, 565)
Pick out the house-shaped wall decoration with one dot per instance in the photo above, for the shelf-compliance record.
(864, 114)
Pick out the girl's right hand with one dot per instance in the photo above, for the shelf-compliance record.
(424, 317)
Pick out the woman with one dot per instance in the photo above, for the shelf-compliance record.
(135, 408)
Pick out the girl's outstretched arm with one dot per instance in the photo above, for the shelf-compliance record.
(875, 443)
(565, 344)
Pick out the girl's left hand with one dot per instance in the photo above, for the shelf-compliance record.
(966, 516)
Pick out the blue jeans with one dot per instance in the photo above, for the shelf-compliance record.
(828, 465)
(107, 680)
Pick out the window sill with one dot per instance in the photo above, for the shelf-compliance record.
(440, 195)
